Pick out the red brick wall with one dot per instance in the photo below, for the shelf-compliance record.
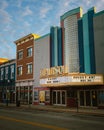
(25, 59)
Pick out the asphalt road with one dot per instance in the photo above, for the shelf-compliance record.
(44, 120)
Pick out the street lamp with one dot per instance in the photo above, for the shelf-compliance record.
(7, 93)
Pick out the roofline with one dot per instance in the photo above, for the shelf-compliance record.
(42, 37)
(9, 61)
(71, 12)
(99, 13)
(29, 35)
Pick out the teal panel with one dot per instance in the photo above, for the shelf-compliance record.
(86, 44)
(52, 47)
(80, 43)
(91, 40)
(59, 46)
(55, 46)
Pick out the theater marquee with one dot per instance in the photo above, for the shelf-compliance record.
(64, 79)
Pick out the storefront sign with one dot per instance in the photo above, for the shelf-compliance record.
(72, 80)
(86, 78)
(53, 71)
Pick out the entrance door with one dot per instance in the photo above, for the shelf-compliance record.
(88, 98)
(94, 98)
(59, 97)
(63, 97)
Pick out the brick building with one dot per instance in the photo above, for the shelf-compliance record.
(24, 68)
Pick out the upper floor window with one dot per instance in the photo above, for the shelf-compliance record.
(19, 70)
(2, 73)
(6, 73)
(29, 69)
(12, 71)
(29, 51)
(20, 54)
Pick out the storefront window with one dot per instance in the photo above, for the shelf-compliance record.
(94, 98)
(41, 96)
(88, 98)
(101, 97)
(47, 96)
(81, 98)
(30, 95)
(54, 97)
(63, 97)
(58, 98)
(36, 95)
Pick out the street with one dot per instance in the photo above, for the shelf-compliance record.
(13, 119)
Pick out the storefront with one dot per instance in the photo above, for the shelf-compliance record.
(41, 96)
(24, 92)
(69, 89)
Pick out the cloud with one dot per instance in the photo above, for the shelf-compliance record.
(26, 11)
(3, 4)
(21, 17)
(44, 29)
(7, 50)
(44, 9)
(66, 5)
(99, 5)
(5, 17)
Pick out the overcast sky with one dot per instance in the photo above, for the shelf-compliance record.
(19, 18)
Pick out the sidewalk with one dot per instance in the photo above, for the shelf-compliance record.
(84, 111)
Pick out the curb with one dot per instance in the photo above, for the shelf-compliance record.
(30, 108)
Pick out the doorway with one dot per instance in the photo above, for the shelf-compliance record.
(88, 98)
(59, 97)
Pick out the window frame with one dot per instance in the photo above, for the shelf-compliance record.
(30, 51)
(2, 73)
(12, 70)
(20, 54)
(20, 72)
(29, 68)
(6, 72)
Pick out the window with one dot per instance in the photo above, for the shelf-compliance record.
(36, 95)
(29, 68)
(6, 73)
(12, 71)
(29, 52)
(47, 96)
(20, 55)
(19, 70)
(101, 97)
(2, 73)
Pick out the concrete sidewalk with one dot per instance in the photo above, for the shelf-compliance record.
(84, 111)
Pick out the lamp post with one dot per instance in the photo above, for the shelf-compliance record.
(7, 93)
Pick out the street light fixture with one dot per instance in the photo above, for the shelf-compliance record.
(7, 93)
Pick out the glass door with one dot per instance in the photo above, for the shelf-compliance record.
(81, 97)
(54, 97)
(63, 97)
(59, 97)
(88, 98)
(94, 98)
(58, 100)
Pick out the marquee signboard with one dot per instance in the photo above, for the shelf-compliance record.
(70, 79)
